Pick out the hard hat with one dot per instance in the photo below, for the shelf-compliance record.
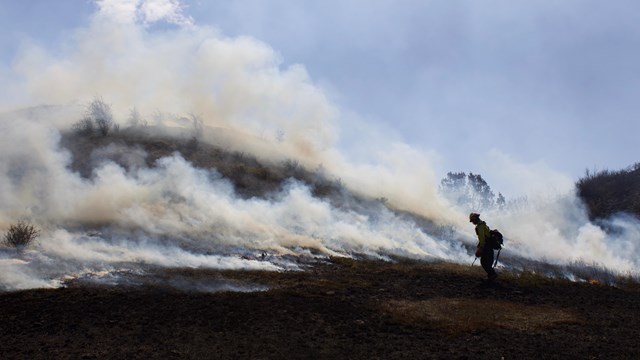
(473, 216)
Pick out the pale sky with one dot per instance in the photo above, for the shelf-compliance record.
(547, 83)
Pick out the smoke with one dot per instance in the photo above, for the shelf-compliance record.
(18, 275)
(176, 215)
(173, 214)
(144, 11)
(557, 230)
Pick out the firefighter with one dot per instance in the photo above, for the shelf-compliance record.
(485, 249)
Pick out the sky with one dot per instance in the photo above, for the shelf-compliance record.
(543, 81)
(547, 86)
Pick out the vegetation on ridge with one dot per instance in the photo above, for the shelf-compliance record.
(609, 192)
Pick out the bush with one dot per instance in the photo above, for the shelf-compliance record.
(135, 120)
(100, 112)
(84, 127)
(20, 235)
(97, 121)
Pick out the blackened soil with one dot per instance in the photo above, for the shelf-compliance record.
(343, 309)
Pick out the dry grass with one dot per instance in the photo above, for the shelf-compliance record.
(457, 315)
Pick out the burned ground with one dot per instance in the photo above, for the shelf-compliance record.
(355, 309)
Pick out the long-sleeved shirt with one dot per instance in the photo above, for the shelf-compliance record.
(482, 230)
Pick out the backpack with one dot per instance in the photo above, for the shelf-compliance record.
(495, 237)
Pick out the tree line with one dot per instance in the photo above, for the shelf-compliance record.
(470, 190)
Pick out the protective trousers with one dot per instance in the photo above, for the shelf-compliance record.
(486, 260)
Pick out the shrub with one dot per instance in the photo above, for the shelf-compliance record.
(98, 120)
(84, 127)
(100, 112)
(20, 235)
(135, 120)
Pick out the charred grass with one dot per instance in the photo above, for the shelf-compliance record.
(462, 315)
(335, 308)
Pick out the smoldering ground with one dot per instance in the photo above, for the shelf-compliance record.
(171, 213)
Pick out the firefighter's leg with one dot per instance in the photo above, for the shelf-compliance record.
(487, 263)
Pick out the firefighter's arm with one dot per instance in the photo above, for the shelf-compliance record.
(478, 251)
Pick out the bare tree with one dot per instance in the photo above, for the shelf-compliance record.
(483, 197)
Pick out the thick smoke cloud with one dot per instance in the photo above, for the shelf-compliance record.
(171, 215)
(177, 215)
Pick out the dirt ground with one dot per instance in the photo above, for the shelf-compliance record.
(339, 309)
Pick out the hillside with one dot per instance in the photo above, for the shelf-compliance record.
(252, 177)
(249, 176)
(605, 193)
(609, 192)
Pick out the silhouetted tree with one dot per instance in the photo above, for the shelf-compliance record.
(469, 190)
(453, 181)
(481, 194)
(454, 186)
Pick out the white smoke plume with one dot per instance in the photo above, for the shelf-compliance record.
(176, 215)
(144, 11)
(173, 215)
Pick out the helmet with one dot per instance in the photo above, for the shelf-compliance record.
(474, 216)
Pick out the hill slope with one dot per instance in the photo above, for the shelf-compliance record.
(249, 176)
(609, 192)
